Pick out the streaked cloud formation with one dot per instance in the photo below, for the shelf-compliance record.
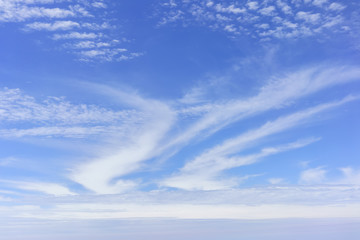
(227, 112)
(147, 131)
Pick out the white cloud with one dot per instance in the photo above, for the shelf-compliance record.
(29, 1)
(189, 211)
(275, 181)
(304, 164)
(100, 173)
(239, 18)
(130, 56)
(253, 5)
(290, 24)
(203, 173)
(40, 15)
(336, 6)
(7, 161)
(58, 25)
(171, 3)
(14, 13)
(248, 203)
(319, 3)
(98, 50)
(230, 28)
(172, 16)
(268, 11)
(216, 159)
(272, 195)
(5, 199)
(330, 22)
(81, 10)
(92, 53)
(263, 26)
(84, 44)
(284, 7)
(96, 26)
(91, 44)
(99, 5)
(350, 176)
(275, 94)
(313, 176)
(16, 106)
(222, 18)
(210, 4)
(76, 35)
(68, 131)
(308, 17)
(151, 134)
(56, 117)
(47, 188)
(17, 11)
(104, 53)
(229, 9)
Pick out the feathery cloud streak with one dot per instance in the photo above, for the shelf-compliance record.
(149, 130)
(199, 173)
(97, 174)
(47, 188)
(277, 93)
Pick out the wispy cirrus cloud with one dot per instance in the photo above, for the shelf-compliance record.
(200, 172)
(98, 174)
(153, 131)
(205, 173)
(277, 93)
(217, 117)
(43, 187)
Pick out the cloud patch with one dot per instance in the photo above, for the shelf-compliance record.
(241, 18)
(313, 176)
(70, 22)
(58, 25)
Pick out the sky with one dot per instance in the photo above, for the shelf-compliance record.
(196, 119)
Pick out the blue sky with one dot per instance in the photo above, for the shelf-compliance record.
(239, 111)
